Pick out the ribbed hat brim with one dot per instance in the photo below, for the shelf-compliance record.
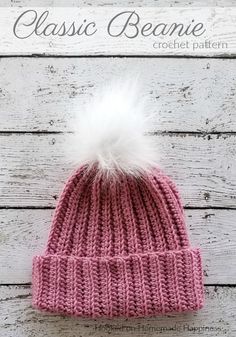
(136, 285)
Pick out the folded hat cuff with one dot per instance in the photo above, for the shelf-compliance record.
(136, 285)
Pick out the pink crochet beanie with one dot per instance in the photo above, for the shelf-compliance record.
(118, 245)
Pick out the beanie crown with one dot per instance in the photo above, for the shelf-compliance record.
(97, 217)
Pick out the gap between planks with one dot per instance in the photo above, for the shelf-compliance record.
(53, 207)
(221, 56)
(150, 133)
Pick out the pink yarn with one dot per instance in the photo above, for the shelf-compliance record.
(118, 248)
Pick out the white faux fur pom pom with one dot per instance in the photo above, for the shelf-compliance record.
(111, 132)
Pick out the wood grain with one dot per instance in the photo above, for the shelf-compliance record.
(17, 318)
(23, 234)
(181, 94)
(35, 167)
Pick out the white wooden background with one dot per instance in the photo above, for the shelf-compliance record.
(194, 102)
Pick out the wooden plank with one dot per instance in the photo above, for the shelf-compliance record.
(217, 318)
(118, 3)
(35, 167)
(182, 94)
(23, 234)
(216, 37)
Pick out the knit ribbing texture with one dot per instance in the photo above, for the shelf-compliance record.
(118, 248)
